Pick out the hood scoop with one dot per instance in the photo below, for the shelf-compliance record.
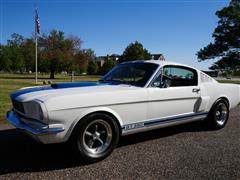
(75, 84)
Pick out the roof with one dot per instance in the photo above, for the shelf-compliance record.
(161, 63)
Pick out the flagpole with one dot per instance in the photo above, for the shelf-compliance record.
(36, 67)
(36, 46)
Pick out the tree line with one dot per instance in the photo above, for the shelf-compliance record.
(58, 53)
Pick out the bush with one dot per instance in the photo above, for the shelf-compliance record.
(236, 73)
(92, 68)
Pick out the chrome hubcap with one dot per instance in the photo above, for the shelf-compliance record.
(221, 113)
(97, 137)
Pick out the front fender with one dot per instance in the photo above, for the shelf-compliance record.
(90, 111)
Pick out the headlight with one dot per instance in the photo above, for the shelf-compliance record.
(35, 110)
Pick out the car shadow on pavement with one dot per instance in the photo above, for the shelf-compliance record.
(20, 153)
(162, 132)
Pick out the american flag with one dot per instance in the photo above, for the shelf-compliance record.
(37, 23)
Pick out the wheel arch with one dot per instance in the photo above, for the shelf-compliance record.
(222, 98)
(102, 110)
(225, 99)
(211, 120)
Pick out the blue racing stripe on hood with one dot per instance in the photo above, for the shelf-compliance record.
(75, 84)
(55, 86)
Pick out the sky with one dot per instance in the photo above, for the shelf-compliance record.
(175, 28)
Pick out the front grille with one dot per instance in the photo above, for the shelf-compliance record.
(18, 106)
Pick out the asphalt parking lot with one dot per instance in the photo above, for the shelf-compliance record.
(182, 152)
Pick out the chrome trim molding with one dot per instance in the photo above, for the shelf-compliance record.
(159, 71)
(163, 122)
(153, 76)
(16, 121)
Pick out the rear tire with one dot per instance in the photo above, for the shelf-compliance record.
(95, 137)
(218, 115)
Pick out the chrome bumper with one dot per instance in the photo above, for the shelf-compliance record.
(38, 129)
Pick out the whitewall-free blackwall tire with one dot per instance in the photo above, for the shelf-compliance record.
(95, 137)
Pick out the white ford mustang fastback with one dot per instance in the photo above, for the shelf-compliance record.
(133, 97)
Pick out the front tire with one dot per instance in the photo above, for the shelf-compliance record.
(95, 137)
(218, 115)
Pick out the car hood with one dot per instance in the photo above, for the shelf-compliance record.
(71, 95)
(38, 91)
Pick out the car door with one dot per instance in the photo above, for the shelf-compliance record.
(174, 93)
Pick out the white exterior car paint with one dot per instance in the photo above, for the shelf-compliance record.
(134, 108)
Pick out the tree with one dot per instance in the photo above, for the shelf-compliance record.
(234, 2)
(55, 53)
(92, 68)
(58, 50)
(135, 51)
(80, 63)
(17, 39)
(28, 51)
(1, 58)
(4, 65)
(108, 65)
(82, 59)
(18, 54)
(226, 45)
(12, 56)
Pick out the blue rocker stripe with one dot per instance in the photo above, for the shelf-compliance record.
(161, 121)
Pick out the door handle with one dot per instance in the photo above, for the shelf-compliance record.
(195, 90)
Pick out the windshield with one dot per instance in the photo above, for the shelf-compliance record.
(136, 74)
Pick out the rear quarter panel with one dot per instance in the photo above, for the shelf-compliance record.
(214, 90)
(231, 92)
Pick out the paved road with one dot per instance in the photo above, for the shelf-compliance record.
(180, 152)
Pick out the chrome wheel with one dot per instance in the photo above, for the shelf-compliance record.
(97, 137)
(221, 113)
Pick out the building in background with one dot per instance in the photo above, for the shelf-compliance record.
(100, 60)
(159, 57)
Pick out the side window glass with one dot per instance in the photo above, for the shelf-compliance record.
(174, 76)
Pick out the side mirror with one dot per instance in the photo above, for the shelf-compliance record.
(156, 84)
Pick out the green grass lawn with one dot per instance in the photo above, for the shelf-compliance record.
(12, 82)
(229, 81)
